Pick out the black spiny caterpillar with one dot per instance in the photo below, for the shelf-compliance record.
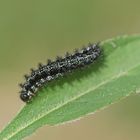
(58, 68)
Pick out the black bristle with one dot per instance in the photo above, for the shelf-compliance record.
(49, 61)
(76, 51)
(58, 58)
(67, 54)
(20, 85)
(26, 76)
(40, 65)
(32, 70)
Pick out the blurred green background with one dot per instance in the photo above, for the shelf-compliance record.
(32, 31)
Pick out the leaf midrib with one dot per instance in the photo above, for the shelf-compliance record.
(120, 74)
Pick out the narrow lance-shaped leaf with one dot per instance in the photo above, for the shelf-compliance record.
(114, 76)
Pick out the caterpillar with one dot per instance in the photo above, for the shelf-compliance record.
(58, 68)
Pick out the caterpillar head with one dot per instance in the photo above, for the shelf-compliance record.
(25, 96)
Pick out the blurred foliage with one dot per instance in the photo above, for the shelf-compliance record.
(32, 31)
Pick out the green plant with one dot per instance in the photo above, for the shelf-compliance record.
(113, 77)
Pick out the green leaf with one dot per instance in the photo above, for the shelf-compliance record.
(114, 76)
